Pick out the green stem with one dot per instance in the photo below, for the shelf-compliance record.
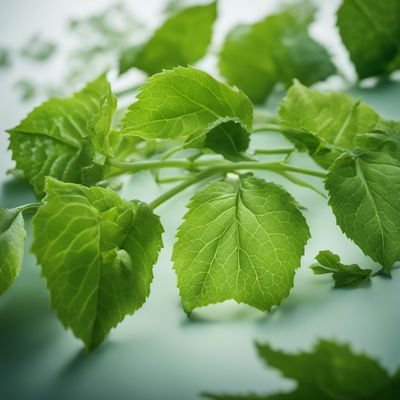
(179, 188)
(30, 207)
(285, 150)
(268, 128)
(217, 165)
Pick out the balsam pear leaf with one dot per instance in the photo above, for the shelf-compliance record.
(97, 253)
(275, 50)
(329, 371)
(324, 123)
(189, 104)
(370, 30)
(364, 191)
(241, 239)
(52, 139)
(343, 275)
(182, 40)
(12, 237)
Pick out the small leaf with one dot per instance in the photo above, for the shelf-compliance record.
(241, 239)
(364, 190)
(97, 253)
(276, 49)
(372, 42)
(189, 104)
(182, 40)
(324, 123)
(52, 139)
(344, 275)
(12, 237)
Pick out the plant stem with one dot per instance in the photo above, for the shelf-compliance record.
(285, 150)
(179, 188)
(268, 128)
(218, 165)
(30, 207)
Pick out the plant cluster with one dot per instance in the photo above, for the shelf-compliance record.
(242, 237)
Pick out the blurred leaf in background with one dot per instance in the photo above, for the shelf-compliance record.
(330, 371)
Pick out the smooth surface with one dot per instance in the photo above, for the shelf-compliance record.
(158, 353)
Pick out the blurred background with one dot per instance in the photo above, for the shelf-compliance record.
(53, 47)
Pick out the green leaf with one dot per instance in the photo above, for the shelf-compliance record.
(384, 138)
(189, 104)
(331, 371)
(242, 239)
(97, 253)
(324, 123)
(105, 139)
(183, 39)
(52, 139)
(370, 30)
(275, 50)
(364, 190)
(12, 237)
(344, 275)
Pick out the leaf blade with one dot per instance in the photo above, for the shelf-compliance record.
(219, 254)
(82, 237)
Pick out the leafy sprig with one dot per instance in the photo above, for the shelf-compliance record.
(242, 237)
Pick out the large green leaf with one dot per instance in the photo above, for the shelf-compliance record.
(97, 253)
(242, 239)
(189, 104)
(55, 139)
(276, 49)
(183, 39)
(12, 237)
(324, 123)
(364, 190)
(370, 30)
(330, 371)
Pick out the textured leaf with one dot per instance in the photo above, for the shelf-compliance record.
(344, 275)
(183, 39)
(370, 30)
(50, 141)
(242, 239)
(324, 123)
(276, 49)
(384, 138)
(364, 192)
(105, 139)
(189, 104)
(12, 237)
(331, 371)
(97, 253)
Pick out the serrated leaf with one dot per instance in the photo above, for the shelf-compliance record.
(189, 104)
(324, 123)
(12, 237)
(51, 140)
(182, 40)
(330, 371)
(97, 253)
(241, 239)
(364, 192)
(350, 275)
(370, 30)
(275, 50)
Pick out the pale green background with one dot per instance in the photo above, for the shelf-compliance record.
(158, 353)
